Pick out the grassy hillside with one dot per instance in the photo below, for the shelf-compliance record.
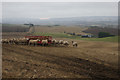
(62, 35)
(55, 35)
(60, 29)
(14, 28)
(107, 39)
(96, 30)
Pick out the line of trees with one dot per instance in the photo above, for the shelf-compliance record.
(104, 34)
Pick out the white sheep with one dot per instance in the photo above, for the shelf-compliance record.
(61, 41)
(44, 42)
(34, 42)
(65, 43)
(74, 44)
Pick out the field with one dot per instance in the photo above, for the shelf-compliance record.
(60, 29)
(15, 28)
(7, 35)
(91, 59)
(58, 32)
(96, 30)
(63, 35)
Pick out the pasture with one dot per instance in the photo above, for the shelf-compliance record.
(93, 58)
(58, 32)
(60, 29)
(63, 35)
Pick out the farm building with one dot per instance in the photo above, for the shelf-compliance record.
(87, 36)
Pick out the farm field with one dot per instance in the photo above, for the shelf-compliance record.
(91, 59)
(15, 28)
(6, 35)
(63, 35)
(60, 29)
(58, 32)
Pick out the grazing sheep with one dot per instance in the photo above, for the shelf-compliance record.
(16, 41)
(55, 42)
(23, 40)
(5, 41)
(1, 41)
(11, 41)
(34, 42)
(44, 42)
(74, 44)
(66, 43)
(61, 42)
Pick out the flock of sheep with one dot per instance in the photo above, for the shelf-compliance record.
(27, 41)
(62, 42)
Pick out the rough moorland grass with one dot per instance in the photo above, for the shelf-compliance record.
(62, 35)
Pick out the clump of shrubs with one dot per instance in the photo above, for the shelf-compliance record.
(104, 34)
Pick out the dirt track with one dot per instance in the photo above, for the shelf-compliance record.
(90, 59)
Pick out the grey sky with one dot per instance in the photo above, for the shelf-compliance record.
(58, 9)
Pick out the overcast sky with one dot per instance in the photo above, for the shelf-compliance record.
(60, 0)
(58, 9)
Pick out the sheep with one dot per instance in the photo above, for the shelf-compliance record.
(66, 43)
(23, 40)
(61, 42)
(74, 44)
(11, 41)
(5, 41)
(44, 42)
(34, 42)
(54, 42)
(1, 41)
(16, 41)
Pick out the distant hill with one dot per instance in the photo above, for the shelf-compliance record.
(96, 30)
(14, 28)
(88, 20)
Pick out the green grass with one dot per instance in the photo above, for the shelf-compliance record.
(62, 35)
(106, 39)
(55, 35)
